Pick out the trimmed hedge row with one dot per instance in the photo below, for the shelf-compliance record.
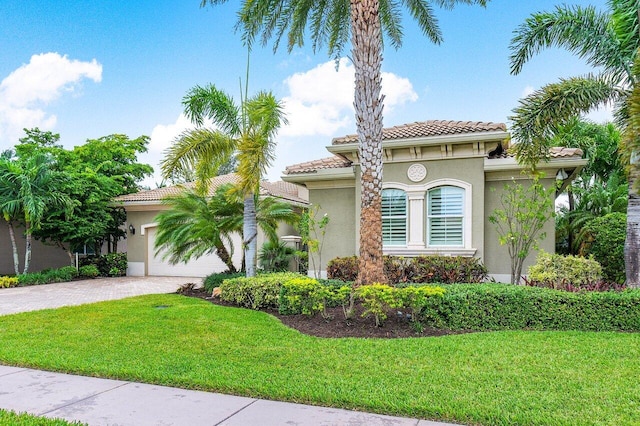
(421, 269)
(509, 307)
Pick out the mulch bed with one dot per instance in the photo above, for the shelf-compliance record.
(337, 326)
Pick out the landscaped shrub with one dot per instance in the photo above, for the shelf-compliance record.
(303, 295)
(605, 238)
(257, 292)
(421, 269)
(558, 271)
(89, 271)
(66, 273)
(343, 268)
(445, 270)
(275, 256)
(6, 282)
(379, 299)
(109, 265)
(512, 307)
(214, 280)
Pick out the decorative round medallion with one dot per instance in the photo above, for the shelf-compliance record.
(416, 172)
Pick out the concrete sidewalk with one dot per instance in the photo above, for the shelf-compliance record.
(113, 402)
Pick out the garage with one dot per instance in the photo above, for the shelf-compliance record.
(201, 267)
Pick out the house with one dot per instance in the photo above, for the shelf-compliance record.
(42, 256)
(143, 207)
(441, 182)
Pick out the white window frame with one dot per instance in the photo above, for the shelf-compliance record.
(431, 217)
(417, 219)
(405, 217)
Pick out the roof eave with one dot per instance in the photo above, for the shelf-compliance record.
(323, 174)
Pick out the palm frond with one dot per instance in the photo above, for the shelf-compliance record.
(583, 31)
(538, 116)
(210, 102)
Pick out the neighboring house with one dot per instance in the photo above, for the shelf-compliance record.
(42, 256)
(441, 182)
(143, 207)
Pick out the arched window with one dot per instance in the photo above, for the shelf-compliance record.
(394, 217)
(445, 216)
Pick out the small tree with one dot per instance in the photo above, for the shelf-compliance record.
(525, 210)
(312, 231)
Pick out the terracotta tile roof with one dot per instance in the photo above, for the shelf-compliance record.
(554, 152)
(429, 128)
(284, 190)
(334, 162)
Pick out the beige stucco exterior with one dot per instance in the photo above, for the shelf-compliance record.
(460, 160)
(42, 256)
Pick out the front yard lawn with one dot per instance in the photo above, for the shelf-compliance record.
(497, 378)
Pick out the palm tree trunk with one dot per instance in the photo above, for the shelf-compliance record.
(366, 38)
(250, 235)
(632, 242)
(14, 248)
(27, 249)
(224, 255)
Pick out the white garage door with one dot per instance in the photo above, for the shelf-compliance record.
(201, 267)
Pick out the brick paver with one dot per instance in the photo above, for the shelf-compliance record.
(33, 298)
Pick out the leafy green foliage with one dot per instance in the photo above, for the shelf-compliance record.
(302, 295)
(519, 221)
(421, 269)
(605, 242)
(109, 265)
(259, 292)
(6, 282)
(66, 273)
(312, 231)
(556, 271)
(89, 271)
(214, 280)
(275, 256)
(510, 307)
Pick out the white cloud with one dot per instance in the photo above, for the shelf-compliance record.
(27, 90)
(527, 91)
(320, 101)
(602, 115)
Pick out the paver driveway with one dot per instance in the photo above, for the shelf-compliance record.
(33, 298)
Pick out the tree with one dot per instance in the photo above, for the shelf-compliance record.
(248, 129)
(363, 21)
(197, 224)
(609, 41)
(27, 192)
(525, 210)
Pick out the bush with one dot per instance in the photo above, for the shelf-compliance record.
(558, 271)
(605, 241)
(47, 276)
(303, 295)
(109, 265)
(257, 292)
(89, 271)
(510, 307)
(422, 269)
(214, 280)
(379, 299)
(6, 282)
(275, 256)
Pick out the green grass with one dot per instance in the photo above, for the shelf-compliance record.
(498, 378)
(22, 419)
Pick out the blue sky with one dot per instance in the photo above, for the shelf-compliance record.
(89, 69)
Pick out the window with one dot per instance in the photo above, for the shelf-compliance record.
(394, 217)
(445, 216)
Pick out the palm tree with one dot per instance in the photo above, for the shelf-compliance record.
(248, 129)
(197, 224)
(609, 41)
(333, 24)
(28, 188)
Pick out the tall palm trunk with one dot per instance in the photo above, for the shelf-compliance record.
(368, 103)
(632, 242)
(224, 255)
(14, 248)
(27, 247)
(250, 235)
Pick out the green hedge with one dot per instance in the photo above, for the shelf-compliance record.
(215, 280)
(66, 273)
(257, 292)
(509, 307)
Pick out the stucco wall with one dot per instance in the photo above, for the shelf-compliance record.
(340, 238)
(499, 262)
(42, 256)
